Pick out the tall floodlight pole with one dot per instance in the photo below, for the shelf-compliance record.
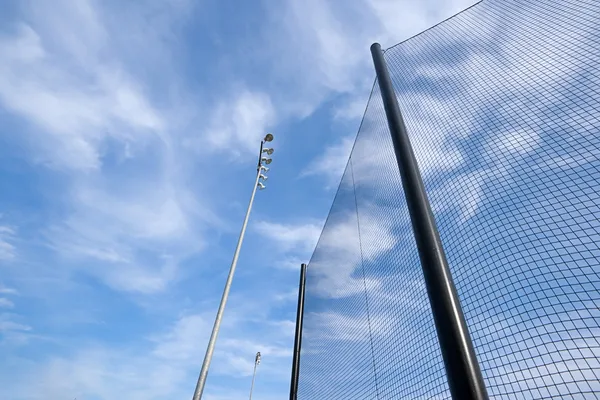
(256, 362)
(462, 369)
(258, 183)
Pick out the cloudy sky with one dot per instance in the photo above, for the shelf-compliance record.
(502, 110)
(128, 137)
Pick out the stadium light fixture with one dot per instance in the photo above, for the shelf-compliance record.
(256, 363)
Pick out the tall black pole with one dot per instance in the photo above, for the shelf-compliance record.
(298, 338)
(462, 369)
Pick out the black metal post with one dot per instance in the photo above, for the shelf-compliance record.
(260, 153)
(298, 338)
(462, 369)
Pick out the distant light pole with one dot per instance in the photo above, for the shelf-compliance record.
(256, 362)
(260, 175)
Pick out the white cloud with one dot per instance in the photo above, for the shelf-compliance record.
(7, 249)
(293, 263)
(341, 333)
(438, 125)
(239, 354)
(332, 162)
(8, 325)
(301, 237)
(127, 215)
(181, 342)
(539, 358)
(353, 109)
(238, 123)
(570, 161)
(7, 290)
(333, 273)
(164, 365)
(402, 19)
(125, 208)
(6, 303)
(322, 53)
(77, 109)
(289, 296)
(227, 393)
(134, 242)
(520, 141)
(66, 72)
(427, 110)
(372, 155)
(330, 55)
(340, 252)
(466, 191)
(334, 326)
(106, 374)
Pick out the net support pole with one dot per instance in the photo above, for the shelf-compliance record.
(462, 369)
(298, 337)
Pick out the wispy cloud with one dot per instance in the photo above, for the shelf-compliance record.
(8, 326)
(7, 290)
(6, 303)
(129, 143)
(115, 231)
(90, 116)
(330, 55)
(352, 110)
(332, 162)
(342, 250)
(426, 107)
(461, 149)
(290, 236)
(239, 122)
(161, 365)
(7, 249)
(77, 111)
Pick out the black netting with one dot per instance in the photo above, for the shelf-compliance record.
(502, 104)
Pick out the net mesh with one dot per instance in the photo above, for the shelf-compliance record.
(502, 105)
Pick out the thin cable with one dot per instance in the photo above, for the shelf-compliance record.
(364, 281)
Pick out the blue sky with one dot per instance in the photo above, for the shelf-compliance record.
(128, 139)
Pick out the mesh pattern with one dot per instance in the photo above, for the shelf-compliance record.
(502, 104)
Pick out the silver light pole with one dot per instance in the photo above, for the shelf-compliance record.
(260, 170)
(256, 362)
